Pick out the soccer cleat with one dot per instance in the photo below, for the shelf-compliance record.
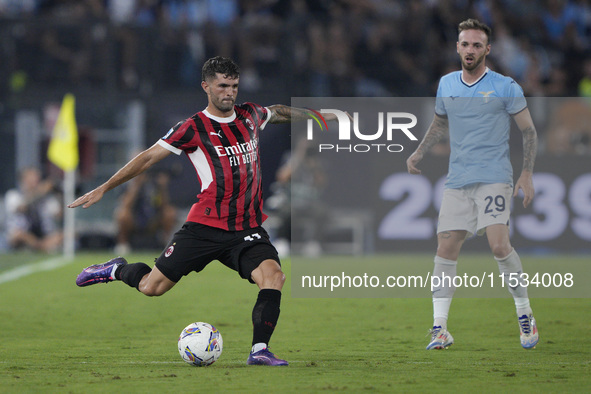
(265, 357)
(528, 331)
(440, 338)
(99, 273)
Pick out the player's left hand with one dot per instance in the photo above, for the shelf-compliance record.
(88, 199)
(412, 161)
(526, 184)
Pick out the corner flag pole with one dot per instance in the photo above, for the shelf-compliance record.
(69, 215)
(63, 152)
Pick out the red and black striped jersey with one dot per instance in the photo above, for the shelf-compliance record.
(225, 154)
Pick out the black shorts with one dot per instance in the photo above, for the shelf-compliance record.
(196, 245)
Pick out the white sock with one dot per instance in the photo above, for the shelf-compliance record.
(445, 270)
(113, 271)
(511, 264)
(524, 311)
(258, 347)
(439, 321)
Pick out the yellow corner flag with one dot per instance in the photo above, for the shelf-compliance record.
(63, 147)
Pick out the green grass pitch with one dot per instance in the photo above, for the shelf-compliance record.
(56, 337)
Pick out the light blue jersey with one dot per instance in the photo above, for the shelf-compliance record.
(479, 118)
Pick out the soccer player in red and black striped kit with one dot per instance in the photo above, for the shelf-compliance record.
(225, 223)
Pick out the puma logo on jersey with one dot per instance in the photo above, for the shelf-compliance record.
(219, 133)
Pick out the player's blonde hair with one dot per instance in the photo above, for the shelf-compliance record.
(474, 24)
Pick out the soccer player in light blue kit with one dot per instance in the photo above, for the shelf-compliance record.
(475, 106)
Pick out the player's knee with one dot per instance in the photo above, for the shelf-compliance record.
(151, 290)
(279, 277)
(448, 252)
(276, 277)
(449, 244)
(500, 249)
(271, 278)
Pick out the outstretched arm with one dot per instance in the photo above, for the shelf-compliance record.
(134, 167)
(530, 148)
(437, 130)
(284, 114)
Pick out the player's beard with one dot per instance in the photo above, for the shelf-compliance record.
(225, 105)
(477, 61)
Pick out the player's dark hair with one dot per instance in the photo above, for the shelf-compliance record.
(474, 24)
(222, 65)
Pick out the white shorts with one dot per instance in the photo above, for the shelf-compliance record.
(475, 207)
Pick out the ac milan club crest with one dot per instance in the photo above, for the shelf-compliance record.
(169, 251)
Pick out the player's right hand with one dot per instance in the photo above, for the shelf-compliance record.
(412, 162)
(88, 199)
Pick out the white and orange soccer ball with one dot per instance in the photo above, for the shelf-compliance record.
(200, 344)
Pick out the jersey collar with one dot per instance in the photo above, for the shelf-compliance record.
(475, 82)
(218, 119)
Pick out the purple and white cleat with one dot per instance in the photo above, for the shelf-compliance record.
(265, 357)
(99, 273)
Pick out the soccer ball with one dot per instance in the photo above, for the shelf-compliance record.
(200, 344)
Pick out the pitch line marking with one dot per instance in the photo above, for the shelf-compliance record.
(29, 269)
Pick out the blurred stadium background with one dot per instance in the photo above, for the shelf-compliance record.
(134, 67)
